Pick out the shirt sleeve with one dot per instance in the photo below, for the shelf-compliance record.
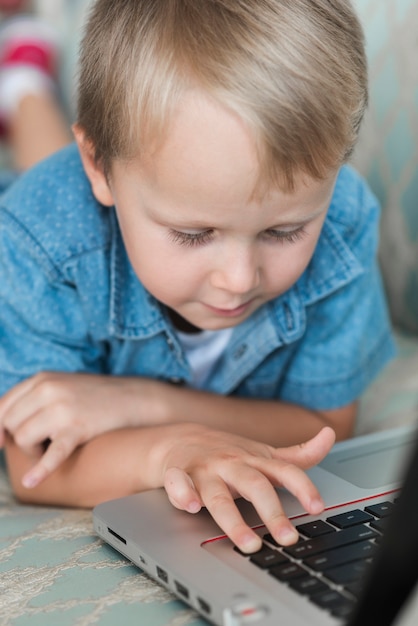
(42, 326)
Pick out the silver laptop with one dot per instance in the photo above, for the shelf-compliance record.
(333, 575)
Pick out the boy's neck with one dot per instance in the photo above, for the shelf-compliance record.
(181, 324)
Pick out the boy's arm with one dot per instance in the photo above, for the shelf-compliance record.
(271, 421)
(196, 465)
(71, 409)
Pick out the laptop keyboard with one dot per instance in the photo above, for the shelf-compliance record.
(330, 558)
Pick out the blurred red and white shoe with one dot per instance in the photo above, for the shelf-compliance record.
(29, 55)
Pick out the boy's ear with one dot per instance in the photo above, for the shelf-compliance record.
(95, 174)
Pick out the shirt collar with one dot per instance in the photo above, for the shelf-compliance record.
(134, 312)
(332, 266)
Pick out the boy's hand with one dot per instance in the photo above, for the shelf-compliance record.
(210, 468)
(64, 411)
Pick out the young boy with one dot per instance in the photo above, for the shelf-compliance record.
(194, 284)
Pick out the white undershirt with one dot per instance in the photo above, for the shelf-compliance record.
(203, 351)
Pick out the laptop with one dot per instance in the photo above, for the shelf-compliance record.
(354, 564)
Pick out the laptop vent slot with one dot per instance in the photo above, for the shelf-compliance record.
(162, 574)
(112, 532)
(181, 589)
(203, 605)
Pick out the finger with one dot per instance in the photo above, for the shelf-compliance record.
(181, 490)
(15, 393)
(58, 451)
(217, 498)
(310, 453)
(22, 403)
(284, 474)
(298, 484)
(35, 430)
(255, 487)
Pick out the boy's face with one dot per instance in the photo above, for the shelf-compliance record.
(199, 238)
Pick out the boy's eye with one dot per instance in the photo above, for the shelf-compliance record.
(191, 239)
(287, 236)
(201, 238)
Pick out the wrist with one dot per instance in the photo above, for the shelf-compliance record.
(146, 402)
(160, 400)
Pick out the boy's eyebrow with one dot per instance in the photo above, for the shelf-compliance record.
(304, 219)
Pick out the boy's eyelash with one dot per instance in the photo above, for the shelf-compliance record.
(199, 239)
(290, 236)
(191, 239)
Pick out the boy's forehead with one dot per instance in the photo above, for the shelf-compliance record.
(204, 144)
(208, 159)
(199, 125)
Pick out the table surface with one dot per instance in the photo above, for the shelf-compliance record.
(55, 570)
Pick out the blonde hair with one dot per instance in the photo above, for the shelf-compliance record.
(293, 70)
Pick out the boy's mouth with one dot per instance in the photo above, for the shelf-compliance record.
(232, 312)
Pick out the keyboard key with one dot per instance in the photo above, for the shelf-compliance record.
(266, 558)
(315, 529)
(308, 585)
(380, 510)
(288, 572)
(355, 588)
(330, 541)
(332, 601)
(347, 573)
(379, 524)
(351, 518)
(343, 610)
(270, 539)
(340, 556)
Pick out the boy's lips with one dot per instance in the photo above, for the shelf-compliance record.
(235, 312)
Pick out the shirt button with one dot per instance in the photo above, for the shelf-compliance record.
(239, 352)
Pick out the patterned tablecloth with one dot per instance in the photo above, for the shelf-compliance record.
(54, 570)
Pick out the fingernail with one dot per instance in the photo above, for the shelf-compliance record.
(29, 481)
(194, 507)
(317, 506)
(287, 536)
(250, 543)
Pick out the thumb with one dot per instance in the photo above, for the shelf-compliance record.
(311, 452)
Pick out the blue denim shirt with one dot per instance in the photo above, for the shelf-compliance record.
(70, 300)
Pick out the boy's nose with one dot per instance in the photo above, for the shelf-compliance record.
(237, 272)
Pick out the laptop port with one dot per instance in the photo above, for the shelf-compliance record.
(203, 606)
(112, 532)
(162, 574)
(181, 589)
